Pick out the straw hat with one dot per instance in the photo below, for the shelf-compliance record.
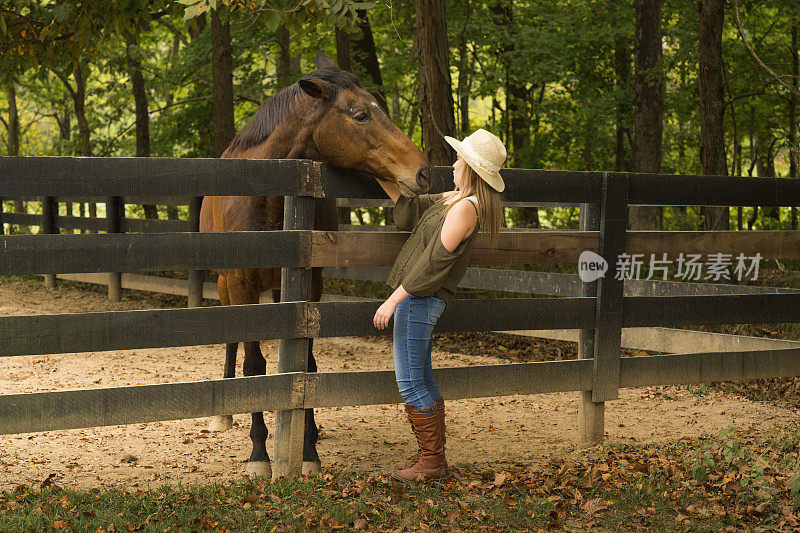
(485, 153)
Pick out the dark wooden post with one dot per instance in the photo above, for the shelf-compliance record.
(49, 226)
(196, 277)
(591, 415)
(2, 224)
(608, 317)
(114, 225)
(298, 213)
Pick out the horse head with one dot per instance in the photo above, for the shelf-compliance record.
(350, 130)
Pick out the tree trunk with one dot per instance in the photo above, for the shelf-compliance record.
(767, 170)
(622, 67)
(343, 50)
(753, 160)
(518, 121)
(64, 124)
(223, 128)
(64, 134)
(79, 98)
(648, 105)
(283, 64)
(794, 149)
(13, 119)
(364, 55)
(343, 59)
(196, 27)
(13, 143)
(140, 104)
(435, 93)
(737, 162)
(588, 135)
(464, 76)
(712, 107)
(176, 46)
(142, 117)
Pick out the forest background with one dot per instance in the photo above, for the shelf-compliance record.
(707, 87)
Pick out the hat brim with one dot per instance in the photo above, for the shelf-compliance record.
(494, 179)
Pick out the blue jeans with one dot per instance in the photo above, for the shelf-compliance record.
(414, 319)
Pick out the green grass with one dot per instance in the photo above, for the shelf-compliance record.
(327, 502)
(705, 484)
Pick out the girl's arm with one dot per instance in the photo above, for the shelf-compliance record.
(398, 295)
(459, 221)
(387, 308)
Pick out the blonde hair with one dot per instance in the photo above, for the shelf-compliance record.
(490, 203)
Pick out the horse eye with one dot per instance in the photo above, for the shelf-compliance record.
(362, 117)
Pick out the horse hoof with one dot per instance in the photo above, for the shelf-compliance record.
(259, 469)
(311, 468)
(221, 423)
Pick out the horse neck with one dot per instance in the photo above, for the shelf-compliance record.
(291, 139)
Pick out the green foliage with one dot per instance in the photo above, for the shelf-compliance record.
(544, 76)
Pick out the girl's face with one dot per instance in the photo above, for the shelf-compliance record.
(458, 172)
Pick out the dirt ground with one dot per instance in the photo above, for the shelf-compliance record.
(520, 429)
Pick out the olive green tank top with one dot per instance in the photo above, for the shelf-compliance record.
(424, 266)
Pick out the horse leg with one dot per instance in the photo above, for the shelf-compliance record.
(225, 422)
(244, 288)
(258, 464)
(311, 462)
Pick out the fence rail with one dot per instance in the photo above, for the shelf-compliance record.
(599, 310)
(40, 254)
(153, 177)
(72, 409)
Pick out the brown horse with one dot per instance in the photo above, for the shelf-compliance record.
(326, 116)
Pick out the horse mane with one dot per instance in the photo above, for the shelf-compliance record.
(276, 108)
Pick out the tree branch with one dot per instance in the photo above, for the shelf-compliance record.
(66, 83)
(190, 100)
(747, 95)
(753, 53)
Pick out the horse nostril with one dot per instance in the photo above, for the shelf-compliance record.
(424, 177)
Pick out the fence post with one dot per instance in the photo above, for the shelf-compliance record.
(49, 226)
(608, 315)
(196, 277)
(591, 415)
(298, 213)
(2, 224)
(114, 225)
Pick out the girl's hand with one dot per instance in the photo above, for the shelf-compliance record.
(383, 314)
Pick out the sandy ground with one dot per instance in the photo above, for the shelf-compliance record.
(522, 429)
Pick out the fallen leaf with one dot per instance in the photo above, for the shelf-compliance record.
(594, 505)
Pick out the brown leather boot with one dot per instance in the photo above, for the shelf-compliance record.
(408, 463)
(427, 426)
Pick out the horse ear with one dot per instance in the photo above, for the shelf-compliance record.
(316, 88)
(324, 61)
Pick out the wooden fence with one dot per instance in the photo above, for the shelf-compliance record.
(600, 311)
